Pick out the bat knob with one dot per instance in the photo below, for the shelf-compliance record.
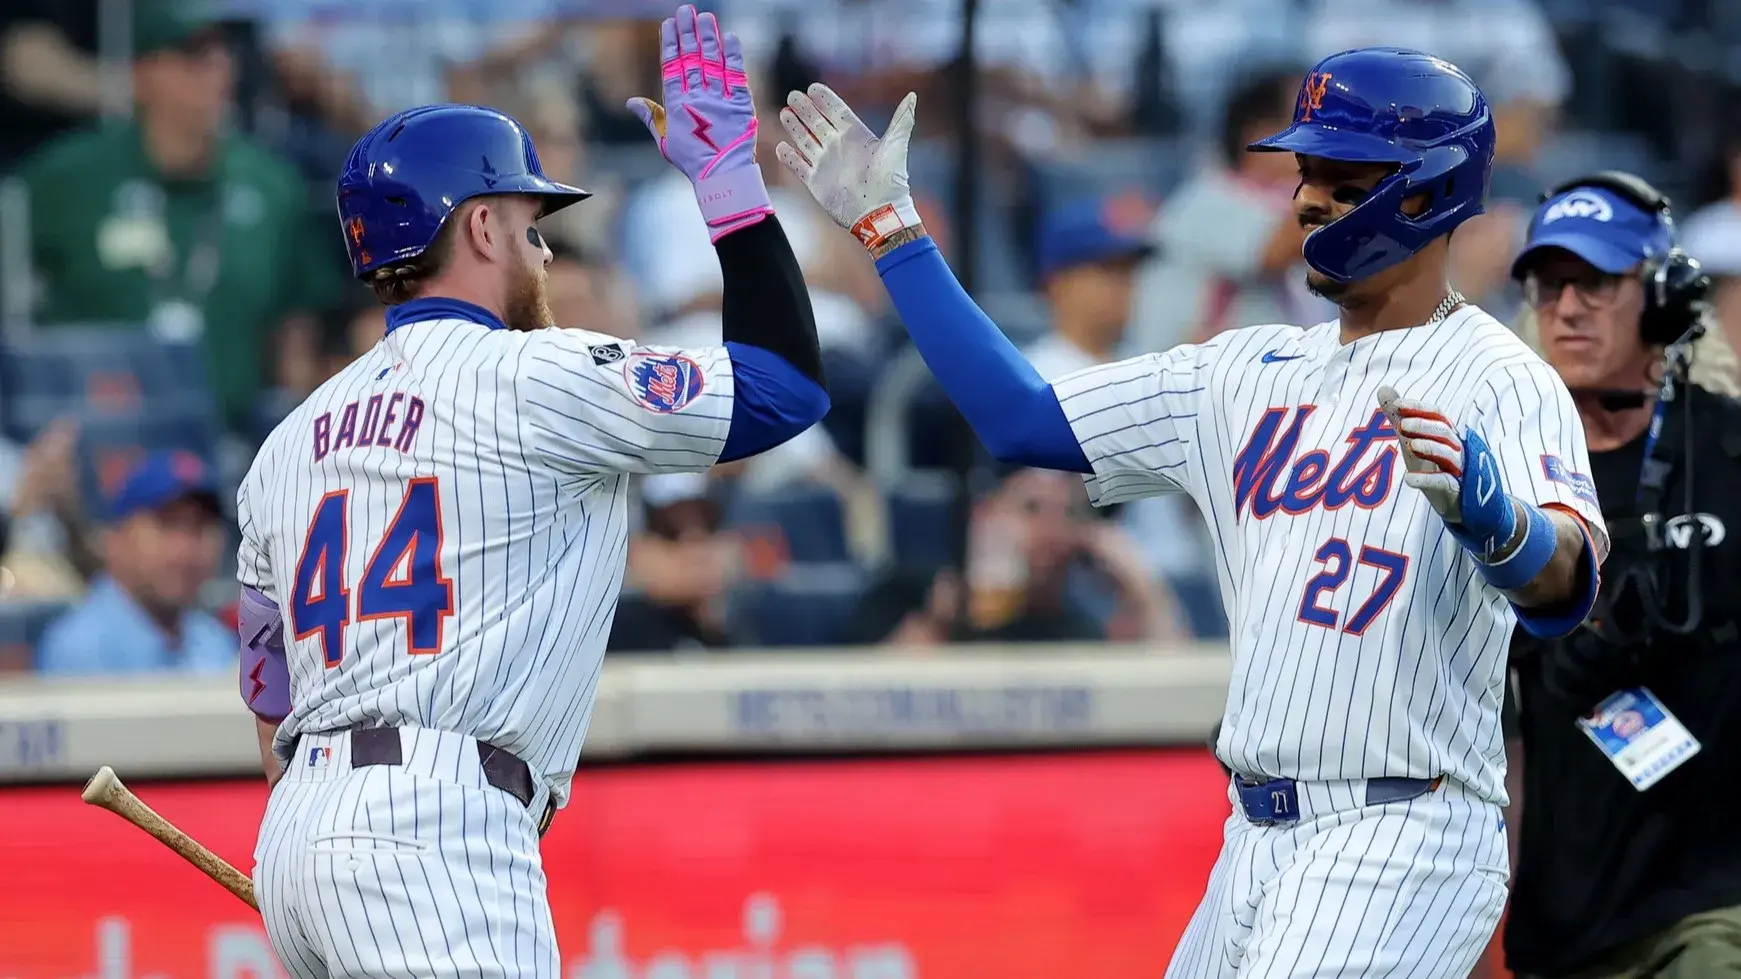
(100, 785)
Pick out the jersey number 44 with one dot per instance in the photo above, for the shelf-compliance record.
(402, 580)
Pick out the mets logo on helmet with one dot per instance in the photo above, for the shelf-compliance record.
(1312, 94)
(664, 383)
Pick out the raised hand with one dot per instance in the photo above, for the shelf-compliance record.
(706, 126)
(857, 177)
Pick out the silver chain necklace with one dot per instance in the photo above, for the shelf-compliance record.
(1446, 306)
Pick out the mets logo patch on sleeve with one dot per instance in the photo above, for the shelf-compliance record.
(1582, 486)
(664, 383)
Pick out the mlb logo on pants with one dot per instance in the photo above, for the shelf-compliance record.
(318, 757)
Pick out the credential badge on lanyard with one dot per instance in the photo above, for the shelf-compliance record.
(1639, 735)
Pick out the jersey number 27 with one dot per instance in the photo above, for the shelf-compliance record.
(402, 580)
(1337, 557)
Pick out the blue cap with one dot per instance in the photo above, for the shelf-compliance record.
(162, 478)
(1600, 227)
(1094, 230)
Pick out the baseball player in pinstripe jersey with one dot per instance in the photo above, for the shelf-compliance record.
(1389, 494)
(433, 543)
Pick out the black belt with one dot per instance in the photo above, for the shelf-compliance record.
(502, 769)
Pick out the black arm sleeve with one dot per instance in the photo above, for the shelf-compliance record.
(765, 302)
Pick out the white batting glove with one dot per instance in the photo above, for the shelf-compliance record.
(858, 178)
(1432, 453)
(1458, 473)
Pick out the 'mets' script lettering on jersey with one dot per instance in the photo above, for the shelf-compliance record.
(385, 421)
(1313, 479)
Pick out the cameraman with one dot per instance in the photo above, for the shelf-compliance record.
(1629, 863)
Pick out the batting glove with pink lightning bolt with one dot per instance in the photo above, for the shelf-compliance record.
(706, 127)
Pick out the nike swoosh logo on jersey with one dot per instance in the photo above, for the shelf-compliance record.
(1271, 357)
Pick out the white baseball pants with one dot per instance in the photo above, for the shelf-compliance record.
(1406, 889)
(421, 869)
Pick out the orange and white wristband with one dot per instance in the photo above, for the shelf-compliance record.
(876, 227)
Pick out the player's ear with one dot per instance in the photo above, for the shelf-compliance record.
(480, 234)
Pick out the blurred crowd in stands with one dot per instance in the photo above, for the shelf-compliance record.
(172, 278)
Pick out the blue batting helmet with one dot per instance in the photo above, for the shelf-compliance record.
(405, 176)
(1397, 106)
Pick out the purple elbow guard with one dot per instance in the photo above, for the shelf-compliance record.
(265, 673)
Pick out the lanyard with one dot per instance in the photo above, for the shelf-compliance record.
(1659, 462)
(199, 271)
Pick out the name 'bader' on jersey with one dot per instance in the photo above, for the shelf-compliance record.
(382, 426)
(1389, 496)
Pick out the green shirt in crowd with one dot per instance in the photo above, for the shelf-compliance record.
(223, 258)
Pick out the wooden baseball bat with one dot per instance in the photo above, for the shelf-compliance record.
(106, 790)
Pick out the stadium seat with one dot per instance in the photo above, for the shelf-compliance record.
(810, 518)
(101, 374)
(22, 624)
(921, 524)
(128, 392)
(812, 604)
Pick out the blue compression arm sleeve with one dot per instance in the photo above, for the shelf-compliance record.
(1011, 408)
(1551, 623)
(772, 401)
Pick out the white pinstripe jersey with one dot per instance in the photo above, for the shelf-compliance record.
(1365, 643)
(445, 525)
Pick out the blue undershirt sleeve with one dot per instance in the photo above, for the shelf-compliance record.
(772, 401)
(1551, 623)
(1009, 405)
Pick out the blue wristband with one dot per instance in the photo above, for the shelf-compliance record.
(1529, 558)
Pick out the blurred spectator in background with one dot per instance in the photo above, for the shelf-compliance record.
(164, 539)
(1039, 88)
(391, 56)
(554, 119)
(679, 569)
(621, 61)
(1088, 254)
(588, 293)
(50, 81)
(1041, 568)
(347, 330)
(170, 223)
(49, 552)
(1227, 243)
